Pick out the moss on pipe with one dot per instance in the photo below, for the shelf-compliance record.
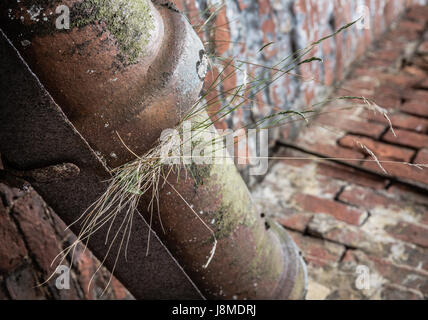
(130, 22)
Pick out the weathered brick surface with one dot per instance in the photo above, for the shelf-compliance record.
(405, 193)
(318, 252)
(415, 107)
(329, 228)
(409, 232)
(353, 126)
(351, 175)
(22, 285)
(395, 85)
(394, 292)
(297, 222)
(422, 156)
(388, 272)
(373, 199)
(381, 150)
(241, 28)
(391, 241)
(31, 235)
(405, 172)
(336, 209)
(31, 213)
(12, 248)
(365, 198)
(404, 121)
(407, 138)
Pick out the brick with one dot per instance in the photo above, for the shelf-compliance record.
(359, 72)
(401, 171)
(423, 48)
(424, 84)
(416, 107)
(417, 12)
(326, 227)
(412, 76)
(404, 254)
(404, 34)
(179, 4)
(30, 211)
(375, 63)
(388, 90)
(73, 293)
(297, 222)
(351, 175)
(119, 291)
(403, 276)
(222, 32)
(370, 199)
(9, 193)
(409, 122)
(403, 121)
(388, 102)
(408, 194)
(422, 157)
(406, 172)
(23, 285)
(408, 77)
(329, 170)
(421, 62)
(409, 232)
(408, 25)
(366, 198)
(326, 149)
(386, 55)
(407, 138)
(336, 209)
(408, 278)
(12, 248)
(87, 267)
(373, 130)
(192, 12)
(329, 228)
(381, 150)
(318, 252)
(416, 95)
(359, 87)
(393, 292)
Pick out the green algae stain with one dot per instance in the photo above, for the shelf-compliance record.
(129, 21)
(235, 208)
(199, 174)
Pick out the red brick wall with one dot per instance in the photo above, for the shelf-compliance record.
(31, 236)
(242, 27)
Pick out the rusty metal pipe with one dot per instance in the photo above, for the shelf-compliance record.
(136, 67)
(255, 258)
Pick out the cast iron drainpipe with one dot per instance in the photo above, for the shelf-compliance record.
(135, 67)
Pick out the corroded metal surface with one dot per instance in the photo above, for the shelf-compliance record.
(254, 259)
(103, 88)
(34, 133)
(103, 85)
